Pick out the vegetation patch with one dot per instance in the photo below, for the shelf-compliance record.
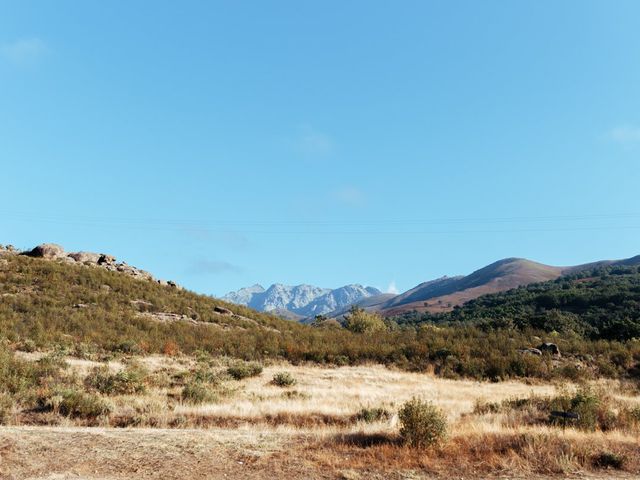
(373, 414)
(243, 370)
(126, 382)
(421, 423)
(76, 404)
(283, 379)
(196, 393)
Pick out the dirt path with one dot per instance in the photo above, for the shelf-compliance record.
(61, 453)
(93, 453)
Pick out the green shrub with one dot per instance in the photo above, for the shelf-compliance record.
(586, 403)
(295, 395)
(482, 407)
(28, 345)
(196, 393)
(77, 404)
(421, 423)
(609, 460)
(6, 408)
(360, 321)
(283, 379)
(244, 370)
(375, 414)
(205, 374)
(124, 382)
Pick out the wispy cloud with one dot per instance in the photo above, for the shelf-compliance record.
(313, 143)
(212, 267)
(24, 52)
(392, 288)
(625, 134)
(349, 195)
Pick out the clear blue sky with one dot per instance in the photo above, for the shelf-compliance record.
(222, 144)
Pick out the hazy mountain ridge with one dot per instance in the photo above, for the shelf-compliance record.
(438, 295)
(300, 300)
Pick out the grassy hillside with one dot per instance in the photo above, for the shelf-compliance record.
(444, 294)
(600, 303)
(46, 304)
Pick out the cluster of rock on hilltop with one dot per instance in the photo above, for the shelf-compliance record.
(51, 251)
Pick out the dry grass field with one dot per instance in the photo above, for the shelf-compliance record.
(315, 428)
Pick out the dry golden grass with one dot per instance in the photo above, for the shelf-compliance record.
(342, 392)
(312, 433)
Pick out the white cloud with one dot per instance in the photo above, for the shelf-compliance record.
(625, 134)
(349, 195)
(311, 142)
(392, 288)
(25, 51)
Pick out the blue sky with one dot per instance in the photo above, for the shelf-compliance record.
(222, 144)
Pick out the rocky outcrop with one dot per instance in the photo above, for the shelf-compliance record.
(7, 249)
(530, 351)
(51, 251)
(551, 348)
(85, 257)
(222, 311)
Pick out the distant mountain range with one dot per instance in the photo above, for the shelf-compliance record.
(300, 301)
(439, 295)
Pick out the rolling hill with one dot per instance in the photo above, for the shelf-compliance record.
(92, 305)
(442, 294)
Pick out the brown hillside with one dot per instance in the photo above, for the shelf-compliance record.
(443, 294)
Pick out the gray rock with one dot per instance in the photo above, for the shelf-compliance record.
(106, 259)
(85, 257)
(142, 305)
(49, 251)
(551, 348)
(530, 351)
(222, 311)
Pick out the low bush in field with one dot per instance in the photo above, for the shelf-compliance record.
(596, 410)
(373, 414)
(77, 404)
(609, 460)
(129, 381)
(283, 379)
(6, 408)
(421, 423)
(197, 392)
(244, 370)
(590, 406)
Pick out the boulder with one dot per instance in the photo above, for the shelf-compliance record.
(106, 259)
(531, 351)
(49, 251)
(85, 257)
(222, 311)
(551, 348)
(142, 305)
